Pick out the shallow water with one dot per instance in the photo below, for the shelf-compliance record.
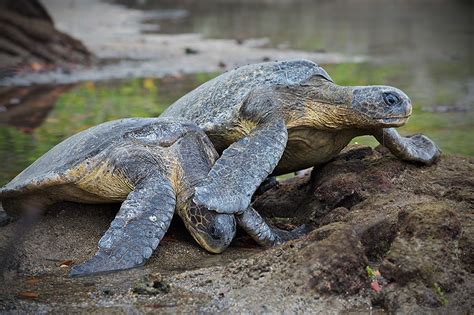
(401, 29)
(424, 48)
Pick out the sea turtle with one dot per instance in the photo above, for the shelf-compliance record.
(152, 165)
(281, 117)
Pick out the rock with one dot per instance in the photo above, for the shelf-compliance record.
(190, 51)
(337, 264)
(29, 41)
(415, 224)
(151, 285)
(423, 259)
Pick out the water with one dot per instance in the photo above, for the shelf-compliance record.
(406, 30)
(422, 47)
(40, 121)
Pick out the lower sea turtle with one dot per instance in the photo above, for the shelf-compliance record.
(281, 117)
(150, 164)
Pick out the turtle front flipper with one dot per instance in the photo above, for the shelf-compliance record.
(242, 168)
(265, 235)
(416, 148)
(136, 231)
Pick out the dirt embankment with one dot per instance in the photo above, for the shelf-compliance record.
(411, 225)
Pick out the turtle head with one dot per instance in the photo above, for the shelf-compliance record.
(212, 230)
(381, 106)
(323, 104)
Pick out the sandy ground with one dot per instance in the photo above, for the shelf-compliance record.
(113, 33)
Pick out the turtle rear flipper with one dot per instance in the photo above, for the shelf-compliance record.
(136, 231)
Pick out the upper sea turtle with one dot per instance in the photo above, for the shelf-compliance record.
(281, 117)
(152, 165)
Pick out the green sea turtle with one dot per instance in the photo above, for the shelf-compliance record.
(281, 117)
(152, 165)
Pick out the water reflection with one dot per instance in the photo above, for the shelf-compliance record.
(23, 139)
(27, 107)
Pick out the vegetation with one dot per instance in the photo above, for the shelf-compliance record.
(440, 293)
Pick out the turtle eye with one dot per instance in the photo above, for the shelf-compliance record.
(390, 99)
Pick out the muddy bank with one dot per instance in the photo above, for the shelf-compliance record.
(411, 225)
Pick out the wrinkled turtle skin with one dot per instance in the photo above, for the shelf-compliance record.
(151, 165)
(281, 117)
